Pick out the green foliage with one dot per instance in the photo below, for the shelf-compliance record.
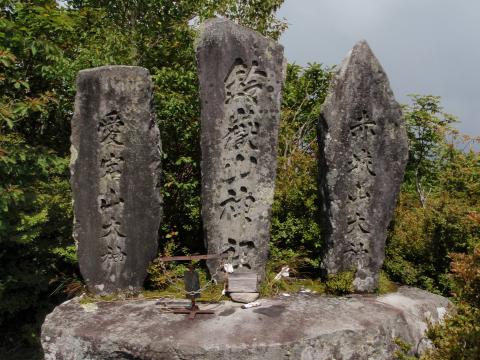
(38, 63)
(421, 239)
(35, 213)
(42, 47)
(457, 337)
(404, 350)
(303, 94)
(427, 126)
(256, 14)
(340, 284)
(157, 35)
(161, 275)
(34, 218)
(385, 285)
(271, 287)
(295, 235)
(466, 275)
(429, 225)
(174, 289)
(436, 221)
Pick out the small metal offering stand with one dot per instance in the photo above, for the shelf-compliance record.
(192, 283)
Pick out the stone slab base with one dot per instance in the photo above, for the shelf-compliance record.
(301, 326)
(244, 297)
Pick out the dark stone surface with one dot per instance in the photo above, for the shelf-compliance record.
(301, 326)
(241, 75)
(363, 153)
(115, 167)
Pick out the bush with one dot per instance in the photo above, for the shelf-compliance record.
(340, 284)
(457, 337)
(421, 239)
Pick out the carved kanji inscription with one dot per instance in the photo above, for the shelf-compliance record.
(242, 86)
(110, 130)
(362, 156)
(241, 75)
(361, 165)
(115, 166)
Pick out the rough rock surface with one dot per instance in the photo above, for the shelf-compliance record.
(363, 153)
(301, 326)
(241, 74)
(115, 170)
(245, 297)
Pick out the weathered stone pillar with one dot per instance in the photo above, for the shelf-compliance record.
(241, 75)
(363, 153)
(115, 168)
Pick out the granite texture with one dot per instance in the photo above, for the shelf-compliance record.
(302, 326)
(115, 177)
(241, 75)
(363, 153)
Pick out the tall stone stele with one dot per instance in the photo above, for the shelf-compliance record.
(241, 74)
(115, 170)
(363, 153)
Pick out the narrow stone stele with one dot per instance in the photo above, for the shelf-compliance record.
(363, 153)
(241, 74)
(115, 177)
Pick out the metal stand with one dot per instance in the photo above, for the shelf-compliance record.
(193, 310)
(192, 284)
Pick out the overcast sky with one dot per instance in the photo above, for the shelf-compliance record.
(425, 46)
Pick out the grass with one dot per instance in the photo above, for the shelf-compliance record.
(385, 285)
(271, 287)
(339, 284)
(212, 293)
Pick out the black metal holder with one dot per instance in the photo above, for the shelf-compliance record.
(192, 284)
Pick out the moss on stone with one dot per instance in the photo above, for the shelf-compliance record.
(340, 284)
(385, 285)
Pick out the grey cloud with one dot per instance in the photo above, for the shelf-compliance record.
(426, 46)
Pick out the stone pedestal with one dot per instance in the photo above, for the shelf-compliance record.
(115, 167)
(301, 326)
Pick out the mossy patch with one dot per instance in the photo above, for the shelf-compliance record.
(385, 285)
(175, 290)
(271, 287)
(340, 284)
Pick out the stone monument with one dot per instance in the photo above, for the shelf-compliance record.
(363, 153)
(115, 168)
(241, 74)
(302, 326)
